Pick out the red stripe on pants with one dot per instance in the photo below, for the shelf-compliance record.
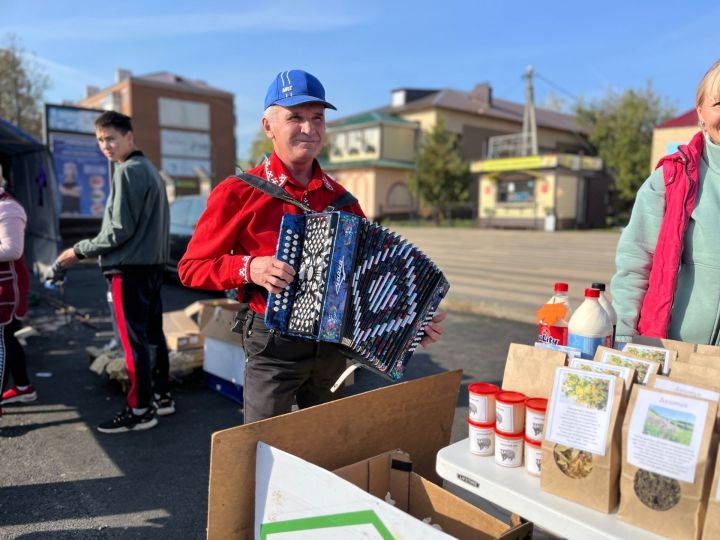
(124, 338)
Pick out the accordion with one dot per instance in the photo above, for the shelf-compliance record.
(358, 285)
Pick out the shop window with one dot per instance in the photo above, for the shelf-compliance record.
(516, 188)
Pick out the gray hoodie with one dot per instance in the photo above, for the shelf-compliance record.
(135, 228)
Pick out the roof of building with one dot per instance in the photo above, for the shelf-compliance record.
(687, 119)
(478, 101)
(449, 98)
(368, 164)
(174, 79)
(371, 117)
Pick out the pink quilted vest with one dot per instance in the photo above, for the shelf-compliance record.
(14, 286)
(680, 171)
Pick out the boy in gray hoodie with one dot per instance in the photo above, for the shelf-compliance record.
(133, 246)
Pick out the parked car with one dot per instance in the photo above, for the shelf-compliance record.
(184, 214)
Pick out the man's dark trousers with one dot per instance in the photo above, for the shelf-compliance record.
(281, 369)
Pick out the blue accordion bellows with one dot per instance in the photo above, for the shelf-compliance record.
(358, 285)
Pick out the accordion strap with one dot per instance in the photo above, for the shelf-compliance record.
(344, 199)
(345, 375)
(271, 189)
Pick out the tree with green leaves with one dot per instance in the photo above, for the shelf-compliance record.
(620, 126)
(259, 148)
(441, 175)
(22, 85)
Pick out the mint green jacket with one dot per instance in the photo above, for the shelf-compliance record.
(695, 313)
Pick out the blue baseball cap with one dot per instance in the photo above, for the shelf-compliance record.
(295, 87)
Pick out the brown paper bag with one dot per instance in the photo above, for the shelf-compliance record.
(665, 357)
(597, 367)
(705, 360)
(683, 348)
(531, 370)
(672, 507)
(702, 390)
(578, 475)
(642, 366)
(712, 519)
(711, 391)
(712, 350)
(709, 383)
(694, 374)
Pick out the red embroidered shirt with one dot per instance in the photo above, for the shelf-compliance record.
(240, 222)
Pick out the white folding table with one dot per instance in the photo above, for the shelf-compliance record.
(519, 492)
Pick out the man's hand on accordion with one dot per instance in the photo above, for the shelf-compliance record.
(434, 330)
(271, 273)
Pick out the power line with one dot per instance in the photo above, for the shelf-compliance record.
(557, 87)
(510, 88)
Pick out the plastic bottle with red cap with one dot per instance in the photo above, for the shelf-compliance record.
(551, 329)
(590, 326)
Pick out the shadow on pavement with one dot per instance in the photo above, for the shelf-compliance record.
(60, 478)
(113, 481)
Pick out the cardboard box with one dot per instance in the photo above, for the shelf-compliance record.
(391, 472)
(225, 363)
(227, 388)
(225, 360)
(215, 319)
(416, 416)
(180, 329)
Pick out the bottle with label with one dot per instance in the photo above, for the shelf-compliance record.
(607, 306)
(553, 317)
(590, 326)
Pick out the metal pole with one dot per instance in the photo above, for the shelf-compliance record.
(529, 121)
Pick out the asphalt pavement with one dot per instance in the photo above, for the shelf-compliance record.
(60, 478)
(510, 273)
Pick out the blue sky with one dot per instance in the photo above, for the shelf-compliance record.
(362, 50)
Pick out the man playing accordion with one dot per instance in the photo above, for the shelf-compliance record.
(234, 245)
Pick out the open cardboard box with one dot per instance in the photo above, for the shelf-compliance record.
(181, 331)
(416, 416)
(215, 319)
(391, 472)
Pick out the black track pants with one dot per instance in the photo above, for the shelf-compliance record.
(138, 312)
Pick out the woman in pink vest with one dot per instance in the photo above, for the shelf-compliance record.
(668, 258)
(14, 289)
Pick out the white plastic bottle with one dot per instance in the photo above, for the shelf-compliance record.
(590, 326)
(557, 332)
(607, 306)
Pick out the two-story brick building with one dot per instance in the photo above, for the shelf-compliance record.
(182, 125)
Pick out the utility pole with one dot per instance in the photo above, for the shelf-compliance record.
(529, 141)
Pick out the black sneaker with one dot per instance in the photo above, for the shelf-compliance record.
(164, 404)
(128, 421)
